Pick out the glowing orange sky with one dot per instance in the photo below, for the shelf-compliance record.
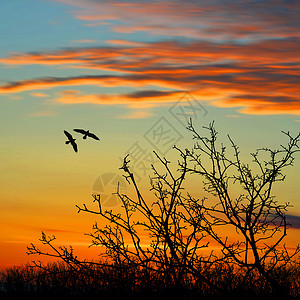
(118, 68)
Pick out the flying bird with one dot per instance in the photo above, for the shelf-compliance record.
(71, 140)
(87, 133)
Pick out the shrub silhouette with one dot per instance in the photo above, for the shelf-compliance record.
(58, 280)
(181, 226)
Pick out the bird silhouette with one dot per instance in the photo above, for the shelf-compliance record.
(71, 140)
(87, 133)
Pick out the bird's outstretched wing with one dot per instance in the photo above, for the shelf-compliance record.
(80, 131)
(93, 136)
(74, 145)
(71, 140)
(69, 136)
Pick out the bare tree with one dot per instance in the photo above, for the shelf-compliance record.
(180, 226)
(254, 214)
(173, 240)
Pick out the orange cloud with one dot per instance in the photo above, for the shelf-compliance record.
(227, 74)
(263, 105)
(130, 55)
(39, 95)
(141, 99)
(136, 115)
(211, 20)
(126, 43)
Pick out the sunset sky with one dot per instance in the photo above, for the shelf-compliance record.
(122, 69)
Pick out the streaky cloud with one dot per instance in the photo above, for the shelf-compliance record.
(294, 221)
(227, 74)
(207, 20)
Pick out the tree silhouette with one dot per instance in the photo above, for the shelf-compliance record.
(254, 214)
(180, 226)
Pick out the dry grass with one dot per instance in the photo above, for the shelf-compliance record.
(59, 281)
